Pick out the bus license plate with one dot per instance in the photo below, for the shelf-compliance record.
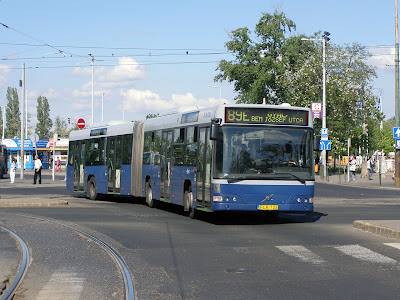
(268, 207)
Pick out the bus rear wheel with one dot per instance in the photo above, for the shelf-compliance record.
(189, 200)
(149, 196)
(91, 189)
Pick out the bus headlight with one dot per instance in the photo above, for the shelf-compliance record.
(217, 198)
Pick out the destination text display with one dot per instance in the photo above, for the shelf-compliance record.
(266, 116)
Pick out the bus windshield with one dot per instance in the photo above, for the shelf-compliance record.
(255, 152)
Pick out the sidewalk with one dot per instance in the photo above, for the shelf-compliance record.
(385, 182)
(24, 193)
(386, 228)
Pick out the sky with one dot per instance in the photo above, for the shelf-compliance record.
(156, 56)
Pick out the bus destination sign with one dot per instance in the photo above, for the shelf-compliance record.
(266, 116)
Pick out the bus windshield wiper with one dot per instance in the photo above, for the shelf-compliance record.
(241, 178)
(230, 180)
(303, 181)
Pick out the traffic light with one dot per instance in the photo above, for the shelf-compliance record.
(69, 120)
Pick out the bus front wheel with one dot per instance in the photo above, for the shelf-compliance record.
(149, 196)
(91, 189)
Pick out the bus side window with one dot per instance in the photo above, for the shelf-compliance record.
(147, 149)
(127, 153)
(71, 149)
(179, 137)
(190, 155)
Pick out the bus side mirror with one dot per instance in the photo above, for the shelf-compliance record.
(214, 129)
(317, 140)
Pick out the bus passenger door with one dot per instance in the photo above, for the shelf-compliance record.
(166, 162)
(79, 165)
(204, 169)
(114, 162)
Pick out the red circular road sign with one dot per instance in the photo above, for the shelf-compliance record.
(81, 123)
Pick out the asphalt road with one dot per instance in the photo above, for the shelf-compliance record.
(235, 256)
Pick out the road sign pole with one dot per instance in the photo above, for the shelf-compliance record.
(396, 100)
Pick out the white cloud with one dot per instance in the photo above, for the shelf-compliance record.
(382, 57)
(125, 73)
(144, 102)
(3, 75)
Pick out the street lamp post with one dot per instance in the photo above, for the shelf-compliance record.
(324, 39)
(102, 107)
(220, 92)
(92, 87)
(123, 115)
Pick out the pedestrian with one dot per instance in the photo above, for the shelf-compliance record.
(353, 167)
(58, 164)
(13, 168)
(38, 170)
(369, 167)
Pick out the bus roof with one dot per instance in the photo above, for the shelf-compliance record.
(102, 130)
(204, 115)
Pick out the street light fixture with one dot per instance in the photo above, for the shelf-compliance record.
(324, 39)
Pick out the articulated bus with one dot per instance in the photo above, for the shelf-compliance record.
(221, 158)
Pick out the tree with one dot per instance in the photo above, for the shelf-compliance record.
(44, 123)
(284, 68)
(13, 126)
(60, 127)
(257, 66)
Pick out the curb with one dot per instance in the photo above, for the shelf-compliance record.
(377, 229)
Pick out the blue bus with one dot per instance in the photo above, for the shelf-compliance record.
(242, 157)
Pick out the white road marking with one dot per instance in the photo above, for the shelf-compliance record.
(394, 245)
(365, 254)
(63, 284)
(302, 253)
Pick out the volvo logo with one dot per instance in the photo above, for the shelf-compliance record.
(267, 198)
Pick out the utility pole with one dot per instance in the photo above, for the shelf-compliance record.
(22, 160)
(396, 100)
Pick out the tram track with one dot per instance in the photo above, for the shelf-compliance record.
(128, 286)
(26, 257)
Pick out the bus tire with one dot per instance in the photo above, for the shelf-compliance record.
(149, 196)
(91, 189)
(189, 199)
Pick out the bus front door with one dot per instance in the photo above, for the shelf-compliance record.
(114, 162)
(79, 160)
(204, 169)
(165, 168)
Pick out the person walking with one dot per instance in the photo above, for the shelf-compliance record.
(369, 168)
(38, 170)
(13, 168)
(353, 166)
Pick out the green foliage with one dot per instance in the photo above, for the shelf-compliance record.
(44, 123)
(151, 116)
(13, 126)
(282, 68)
(61, 127)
